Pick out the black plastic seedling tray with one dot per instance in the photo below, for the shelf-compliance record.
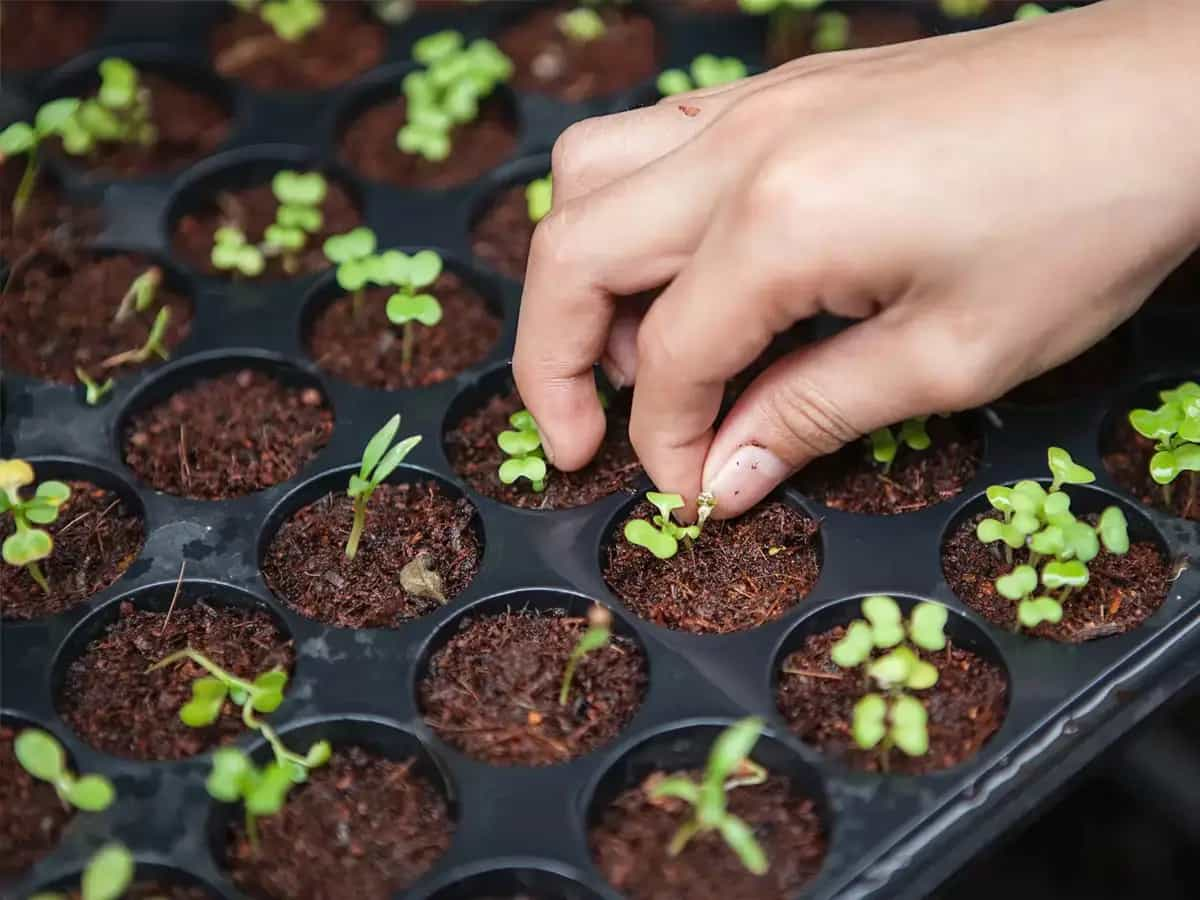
(525, 828)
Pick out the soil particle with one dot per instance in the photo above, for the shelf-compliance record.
(1128, 461)
(502, 235)
(31, 815)
(41, 34)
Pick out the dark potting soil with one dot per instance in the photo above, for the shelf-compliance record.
(1097, 367)
(1181, 287)
(472, 449)
(369, 147)
(850, 480)
(48, 221)
(965, 707)
(58, 310)
(549, 62)
(227, 436)
(1128, 461)
(629, 844)
(253, 210)
(502, 234)
(344, 46)
(492, 691)
(31, 815)
(1122, 592)
(869, 27)
(41, 34)
(365, 348)
(112, 700)
(740, 574)
(306, 563)
(362, 826)
(96, 537)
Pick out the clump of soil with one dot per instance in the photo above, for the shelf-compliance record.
(369, 146)
(492, 691)
(502, 235)
(1121, 593)
(31, 815)
(472, 449)
(740, 574)
(363, 346)
(1095, 368)
(252, 210)
(41, 34)
(48, 224)
(549, 62)
(965, 707)
(306, 562)
(114, 702)
(869, 27)
(344, 46)
(96, 538)
(1128, 461)
(58, 315)
(227, 436)
(362, 826)
(850, 480)
(629, 844)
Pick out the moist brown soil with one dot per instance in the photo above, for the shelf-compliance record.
(95, 539)
(965, 707)
(502, 235)
(362, 826)
(253, 210)
(369, 147)
(58, 311)
(40, 34)
(112, 700)
(157, 890)
(48, 223)
(492, 691)
(1181, 287)
(875, 27)
(1123, 591)
(344, 46)
(306, 563)
(366, 349)
(1128, 461)
(1098, 367)
(473, 452)
(850, 480)
(549, 62)
(31, 815)
(629, 844)
(740, 574)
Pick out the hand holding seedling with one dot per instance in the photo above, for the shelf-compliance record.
(879, 185)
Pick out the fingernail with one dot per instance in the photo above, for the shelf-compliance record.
(746, 477)
(616, 378)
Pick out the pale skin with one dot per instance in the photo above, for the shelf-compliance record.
(988, 205)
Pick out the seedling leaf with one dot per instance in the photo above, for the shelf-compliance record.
(887, 625)
(90, 793)
(638, 531)
(40, 754)
(108, 874)
(927, 626)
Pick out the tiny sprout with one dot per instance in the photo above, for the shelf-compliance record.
(963, 9)
(539, 197)
(885, 445)
(705, 71)
(661, 535)
(353, 254)
(1029, 11)
(232, 252)
(757, 7)
(582, 24)
(598, 634)
(406, 307)
(27, 546)
(94, 391)
(1175, 428)
(729, 767)
(141, 293)
(107, 875)
(300, 195)
(153, 346)
(523, 447)
(120, 112)
(290, 19)
(55, 117)
(378, 463)
(44, 758)
(831, 32)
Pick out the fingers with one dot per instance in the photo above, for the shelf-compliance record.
(620, 355)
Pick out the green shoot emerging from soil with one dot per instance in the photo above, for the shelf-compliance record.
(582, 24)
(705, 71)
(290, 19)
(729, 766)
(300, 195)
(885, 444)
(1029, 11)
(140, 296)
(409, 306)
(44, 758)
(108, 874)
(1040, 520)
(28, 545)
(523, 447)
(598, 634)
(94, 391)
(890, 717)
(354, 255)
(448, 91)
(539, 197)
(1175, 429)
(232, 253)
(378, 463)
(55, 117)
(661, 535)
(153, 346)
(138, 299)
(963, 9)
(120, 112)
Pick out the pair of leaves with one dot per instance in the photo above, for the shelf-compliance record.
(292, 19)
(118, 83)
(296, 215)
(523, 446)
(44, 758)
(705, 71)
(1056, 574)
(234, 777)
(378, 462)
(432, 144)
(662, 534)
(299, 188)
(283, 237)
(1033, 612)
(232, 252)
(403, 307)
(903, 668)
(355, 245)
(419, 270)
(902, 719)
(1167, 465)
(1065, 470)
(52, 118)
(884, 628)
(209, 694)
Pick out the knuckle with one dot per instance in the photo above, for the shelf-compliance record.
(656, 351)
(807, 422)
(550, 244)
(951, 370)
(569, 158)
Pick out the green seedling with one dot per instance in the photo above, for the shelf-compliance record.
(107, 876)
(705, 71)
(790, 19)
(539, 197)
(409, 306)
(28, 546)
(94, 391)
(729, 766)
(353, 254)
(1175, 429)
(378, 462)
(598, 634)
(661, 535)
(963, 9)
(831, 32)
(44, 758)
(582, 24)
(53, 118)
(119, 113)
(885, 444)
(1029, 11)
(291, 20)
(141, 294)
(153, 346)
(523, 447)
(232, 253)
(300, 195)
(761, 7)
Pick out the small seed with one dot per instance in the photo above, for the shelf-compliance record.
(310, 397)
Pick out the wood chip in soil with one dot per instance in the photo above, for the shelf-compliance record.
(502, 234)
(549, 62)
(492, 691)
(851, 481)
(965, 707)
(344, 46)
(1122, 591)
(740, 574)
(227, 436)
(112, 700)
(629, 844)
(366, 349)
(873, 27)
(41, 34)
(362, 826)
(1128, 461)
(1096, 368)
(32, 817)
(369, 146)
(96, 537)
(306, 563)
(473, 452)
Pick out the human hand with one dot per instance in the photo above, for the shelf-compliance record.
(988, 204)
